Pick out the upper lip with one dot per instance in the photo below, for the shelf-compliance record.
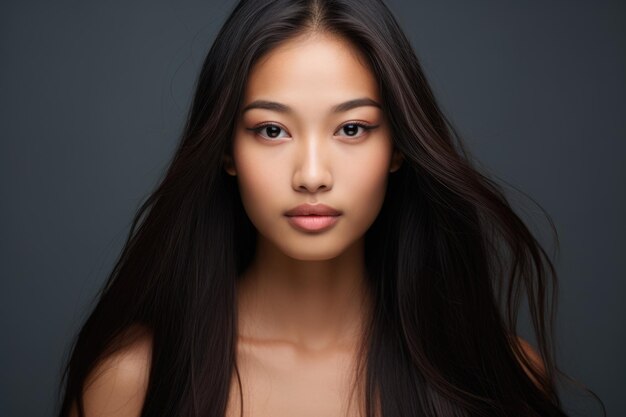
(310, 209)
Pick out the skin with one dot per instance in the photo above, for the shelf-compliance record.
(303, 300)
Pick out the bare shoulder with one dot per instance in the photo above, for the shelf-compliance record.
(116, 387)
(533, 357)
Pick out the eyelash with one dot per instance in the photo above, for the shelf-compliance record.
(258, 129)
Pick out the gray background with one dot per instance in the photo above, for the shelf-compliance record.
(93, 96)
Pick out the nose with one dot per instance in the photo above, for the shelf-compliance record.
(312, 165)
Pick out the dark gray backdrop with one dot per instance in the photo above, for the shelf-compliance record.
(93, 96)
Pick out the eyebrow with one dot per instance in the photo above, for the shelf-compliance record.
(282, 108)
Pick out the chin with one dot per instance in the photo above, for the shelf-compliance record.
(312, 252)
(312, 255)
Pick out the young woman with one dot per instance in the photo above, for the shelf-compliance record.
(320, 245)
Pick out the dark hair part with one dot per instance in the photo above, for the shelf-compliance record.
(448, 260)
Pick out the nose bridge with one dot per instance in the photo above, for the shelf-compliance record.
(312, 170)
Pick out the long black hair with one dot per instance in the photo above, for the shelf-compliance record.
(447, 259)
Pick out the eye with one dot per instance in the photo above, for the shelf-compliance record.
(272, 128)
(353, 127)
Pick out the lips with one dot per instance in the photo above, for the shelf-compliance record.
(313, 217)
(313, 210)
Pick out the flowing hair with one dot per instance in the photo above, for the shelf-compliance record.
(447, 258)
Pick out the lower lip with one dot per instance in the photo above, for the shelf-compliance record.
(312, 223)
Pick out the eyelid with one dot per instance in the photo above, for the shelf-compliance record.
(259, 127)
(365, 126)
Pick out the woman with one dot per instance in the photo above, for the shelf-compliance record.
(320, 245)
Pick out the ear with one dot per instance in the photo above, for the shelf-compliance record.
(229, 164)
(396, 160)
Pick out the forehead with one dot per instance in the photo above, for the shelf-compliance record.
(318, 70)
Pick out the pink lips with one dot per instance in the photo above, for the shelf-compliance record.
(310, 217)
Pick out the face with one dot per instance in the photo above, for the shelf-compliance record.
(304, 150)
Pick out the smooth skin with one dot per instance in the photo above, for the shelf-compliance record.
(303, 300)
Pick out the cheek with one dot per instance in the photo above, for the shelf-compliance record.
(258, 178)
(363, 186)
(365, 177)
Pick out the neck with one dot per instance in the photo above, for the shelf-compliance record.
(312, 305)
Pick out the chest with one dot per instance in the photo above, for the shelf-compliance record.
(285, 383)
